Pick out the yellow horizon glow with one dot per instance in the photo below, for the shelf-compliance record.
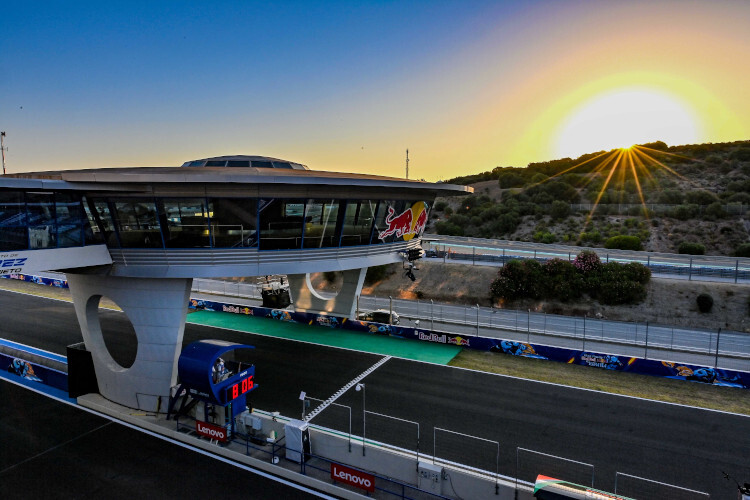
(623, 117)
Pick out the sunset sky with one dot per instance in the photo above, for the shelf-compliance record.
(348, 86)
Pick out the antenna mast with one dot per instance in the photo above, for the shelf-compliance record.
(3, 148)
(407, 163)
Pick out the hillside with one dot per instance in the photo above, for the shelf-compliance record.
(663, 196)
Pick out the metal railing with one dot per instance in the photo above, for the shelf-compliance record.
(488, 252)
(718, 348)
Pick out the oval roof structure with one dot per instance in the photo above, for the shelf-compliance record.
(245, 161)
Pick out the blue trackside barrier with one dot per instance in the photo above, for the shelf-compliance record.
(39, 280)
(34, 372)
(668, 369)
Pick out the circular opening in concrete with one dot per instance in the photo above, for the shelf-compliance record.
(118, 332)
(326, 285)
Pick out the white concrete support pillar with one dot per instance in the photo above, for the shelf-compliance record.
(306, 299)
(157, 309)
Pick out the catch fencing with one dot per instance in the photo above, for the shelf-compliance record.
(717, 348)
(479, 251)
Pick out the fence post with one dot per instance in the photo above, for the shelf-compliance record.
(645, 352)
(736, 269)
(545, 322)
(575, 320)
(716, 361)
(473, 255)
(390, 310)
(477, 320)
(432, 315)
(528, 325)
(690, 270)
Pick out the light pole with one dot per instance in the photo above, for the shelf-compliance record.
(2, 148)
(361, 387)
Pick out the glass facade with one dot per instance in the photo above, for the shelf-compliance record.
(234, 222)
(185, 222)
(43, 219)
(281, 223)
(37, 219)
(357, 224)
(321, 224)
(136, 223)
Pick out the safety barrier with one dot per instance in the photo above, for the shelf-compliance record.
(34, 372)
(660, 368)
(498, 252)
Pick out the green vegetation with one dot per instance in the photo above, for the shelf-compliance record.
(690, 248)
(593, 200)
(743, 250)
(705, 302)
(611, 283)
(623, 242)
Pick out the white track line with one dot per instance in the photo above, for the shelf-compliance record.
(341, 391)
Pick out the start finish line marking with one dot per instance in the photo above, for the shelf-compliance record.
(325, 404)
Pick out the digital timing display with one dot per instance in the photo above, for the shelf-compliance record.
(239, 388)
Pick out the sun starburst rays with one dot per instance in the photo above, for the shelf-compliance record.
(636, 163)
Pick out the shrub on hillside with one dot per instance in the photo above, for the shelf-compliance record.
(700, 197)
(715, 211)
(440, 206)
(690, 248)
(624, 242)
(561, 280)
(620, 292)
(559, 209)
(587, 261)
(743, 250)
(705, 302)
(448, 228)
(510, 282)
(635, 271)
(685, 212)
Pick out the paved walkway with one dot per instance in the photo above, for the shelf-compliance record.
(365, 342)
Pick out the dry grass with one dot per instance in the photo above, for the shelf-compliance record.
(660, 389)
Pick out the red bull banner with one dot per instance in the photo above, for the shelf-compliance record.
(408, 224)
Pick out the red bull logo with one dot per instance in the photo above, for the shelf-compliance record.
(409, 223)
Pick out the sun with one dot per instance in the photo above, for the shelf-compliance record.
(622, 117)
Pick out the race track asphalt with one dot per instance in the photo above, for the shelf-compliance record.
(685, 446)
(54, 450)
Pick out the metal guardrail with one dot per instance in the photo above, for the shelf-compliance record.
(719, 348)
(488, 252)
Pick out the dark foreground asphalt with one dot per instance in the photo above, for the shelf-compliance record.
(678, 445)
(54, 450)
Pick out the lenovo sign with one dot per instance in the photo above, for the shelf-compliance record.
(344, 474)
(211, 431)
